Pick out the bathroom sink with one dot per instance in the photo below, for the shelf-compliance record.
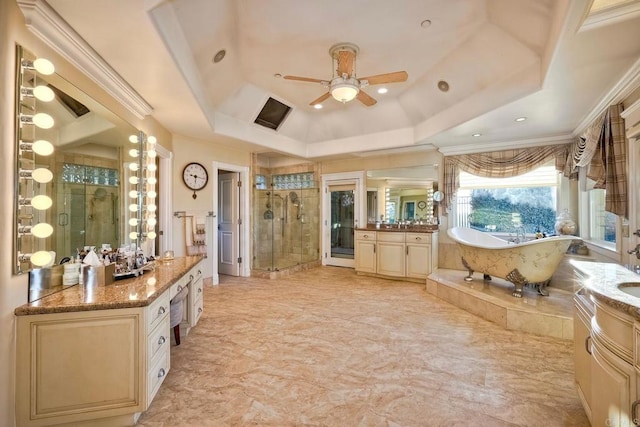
(631, 288)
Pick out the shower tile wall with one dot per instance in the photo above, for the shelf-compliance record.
(286, 217)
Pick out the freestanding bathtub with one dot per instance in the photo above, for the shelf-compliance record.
(529, 263)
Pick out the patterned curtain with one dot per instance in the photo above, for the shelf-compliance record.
(499, 164)
(603, 151)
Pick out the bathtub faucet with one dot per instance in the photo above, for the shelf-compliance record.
(635, 251)
(521, 235)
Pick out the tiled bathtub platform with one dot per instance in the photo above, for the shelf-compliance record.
(491, 300)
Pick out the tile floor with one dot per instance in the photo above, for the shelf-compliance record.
(326, 347)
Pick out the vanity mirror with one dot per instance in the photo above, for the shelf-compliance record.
(401, 194)
(82, 155)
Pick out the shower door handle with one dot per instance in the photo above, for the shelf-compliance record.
(63, 219)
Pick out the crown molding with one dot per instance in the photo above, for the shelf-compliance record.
(506, 145)
(631, 109)
(623, 88)
(611, 16)
(44, 22)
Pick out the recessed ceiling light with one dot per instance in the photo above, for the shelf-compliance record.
(317, 106)
(477, 134)
(426, 23)
(383, 90)
(521, 119)
(219, 56)
(443, 86)
(277, 75)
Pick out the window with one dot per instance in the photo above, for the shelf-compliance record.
(524, 203)
(602, 224)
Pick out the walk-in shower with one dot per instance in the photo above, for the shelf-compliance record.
(286, 225)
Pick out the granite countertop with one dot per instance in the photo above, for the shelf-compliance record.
(127, 293)
(409, 229)
(602, 279)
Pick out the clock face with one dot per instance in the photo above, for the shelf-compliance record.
(195, 176)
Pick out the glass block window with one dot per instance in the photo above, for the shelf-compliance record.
(293, 181)
(81, 174)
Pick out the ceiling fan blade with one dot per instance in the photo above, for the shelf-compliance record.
(303, 79)
(365, 99)
(345, 62)
(398, 76)
(320, 99)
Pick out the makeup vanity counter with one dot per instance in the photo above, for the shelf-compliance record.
(97, 355)
(409, 253)
(607, 343)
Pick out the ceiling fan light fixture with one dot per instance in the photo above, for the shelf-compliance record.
(344, 90)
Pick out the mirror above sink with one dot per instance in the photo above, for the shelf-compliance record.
(402, 194)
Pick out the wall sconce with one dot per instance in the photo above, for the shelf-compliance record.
(31, 199)
(142, 194)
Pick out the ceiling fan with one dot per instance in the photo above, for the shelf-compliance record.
(345, 85)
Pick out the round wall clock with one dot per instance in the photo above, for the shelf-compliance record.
(195, 177)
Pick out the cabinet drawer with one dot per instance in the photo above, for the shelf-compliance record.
(391, 236)
(177, 287)
(418, 238)
(365, 235)
(198, 309)
(157, 311)
(156, 375)
(158, 340)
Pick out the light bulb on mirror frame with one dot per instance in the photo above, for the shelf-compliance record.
(152, 180)
(44, 66)
(152, 207)
(41, 93)
(133, 180)
(152, 194)
(134, 167)
(133, 139)
(42, 175)
(152, 167)
(151, 154)
(133, 235)
(151, 235)
(133, 222)
(152, 140)
(133, 207)
(133, 194)
(40, 147)
(152, 222)
(42, 230)
(133, 152)
(41, 202)
(41, 258)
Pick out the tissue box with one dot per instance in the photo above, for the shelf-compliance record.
(98, 276)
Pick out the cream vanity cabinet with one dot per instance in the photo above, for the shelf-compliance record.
(607, 369)
(396, 254)
(97, 367)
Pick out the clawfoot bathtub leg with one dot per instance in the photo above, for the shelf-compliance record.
(518, 280)
(486, 277)
(469, 269)
(542, 288)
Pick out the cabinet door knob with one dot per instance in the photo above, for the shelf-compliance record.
(179, 288)
(586, 344)
(199, 310)
(161, 373)
(161, 340)
(161, 311)
(199, 290)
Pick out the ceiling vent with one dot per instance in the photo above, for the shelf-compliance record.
(272, 114)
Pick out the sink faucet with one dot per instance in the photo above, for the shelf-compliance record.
(635, 251)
